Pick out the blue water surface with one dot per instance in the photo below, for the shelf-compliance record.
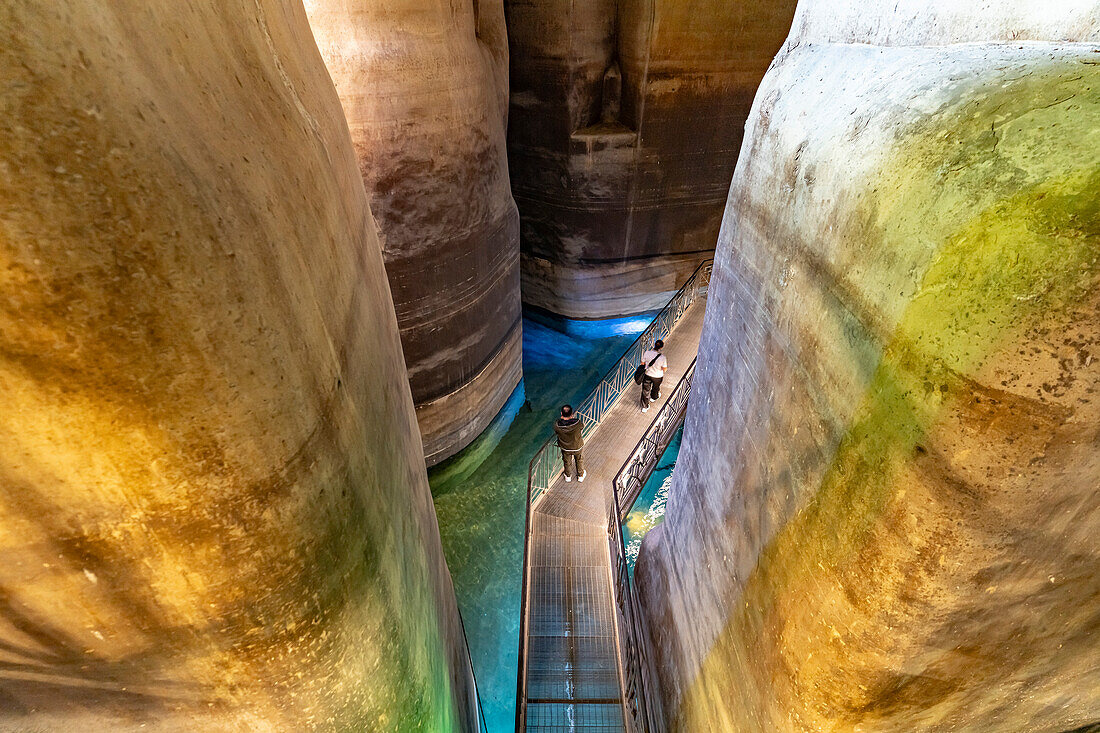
(648, 510)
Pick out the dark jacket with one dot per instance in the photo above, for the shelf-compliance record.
(569, 432)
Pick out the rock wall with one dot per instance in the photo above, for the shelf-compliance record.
(214, 513)
(626, 118)
(884, 513)
(424, 87)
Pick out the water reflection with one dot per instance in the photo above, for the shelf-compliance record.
(649, 509)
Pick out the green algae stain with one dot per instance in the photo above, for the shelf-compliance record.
(998, 197)
(1012, 264)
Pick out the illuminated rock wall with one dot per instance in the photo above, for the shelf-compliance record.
(424, 87)
(884, 514)
(626, 118)
(214, 513)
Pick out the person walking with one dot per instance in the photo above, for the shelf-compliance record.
(570, 431)
(655, 365)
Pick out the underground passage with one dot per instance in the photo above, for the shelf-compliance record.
(632, 366)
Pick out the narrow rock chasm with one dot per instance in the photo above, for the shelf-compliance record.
(291, 292)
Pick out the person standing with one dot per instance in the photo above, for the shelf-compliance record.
(655, 365)
(570, 431)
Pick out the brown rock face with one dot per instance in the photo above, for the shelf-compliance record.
(214, 513)
(885, 510)
(625, 122)
(424, 88)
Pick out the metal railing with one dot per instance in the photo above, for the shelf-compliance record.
(641, 695)
(546, 465)
(635, 472)
(482, 727)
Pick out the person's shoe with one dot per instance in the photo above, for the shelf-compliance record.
(581, 477)
(568, 479)
(645, 409)
(657, 397)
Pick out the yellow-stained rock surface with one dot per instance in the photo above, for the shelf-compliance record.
(885, 510)
(424, 87)
(214, 513)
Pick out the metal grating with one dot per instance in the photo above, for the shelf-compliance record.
(582, 717)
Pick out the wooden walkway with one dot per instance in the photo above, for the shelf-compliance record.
(572, 674)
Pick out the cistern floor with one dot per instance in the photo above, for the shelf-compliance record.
(573, 678)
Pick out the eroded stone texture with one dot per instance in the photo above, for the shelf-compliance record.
(626, 118)
(214, 513)
(884, 514)
(424, 87)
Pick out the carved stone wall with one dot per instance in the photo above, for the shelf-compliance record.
(884, 512)
(626, 118)
(214, 513)
(424, 87)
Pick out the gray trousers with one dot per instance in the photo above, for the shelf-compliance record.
(572, 460)
(651, 389)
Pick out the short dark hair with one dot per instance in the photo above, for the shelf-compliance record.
(659, 345)
(566, 410)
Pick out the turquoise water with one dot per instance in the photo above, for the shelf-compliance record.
(649, 508)
(480, 494)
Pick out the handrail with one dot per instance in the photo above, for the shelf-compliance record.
(484, 728)
(544, 467)
(630, 479)
(641, 696)
(521, 676)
